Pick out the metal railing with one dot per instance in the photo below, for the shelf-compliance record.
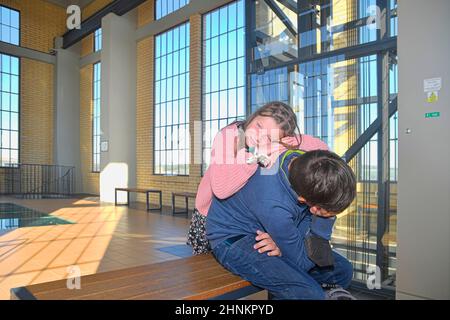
(37, 181)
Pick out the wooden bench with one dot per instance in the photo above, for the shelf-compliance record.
(186, 196)
(195, 278)
(137, 190)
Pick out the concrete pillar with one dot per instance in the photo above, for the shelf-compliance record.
(118, 105)
(423, 229)
(67, 109)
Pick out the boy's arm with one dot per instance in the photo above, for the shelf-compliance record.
(322, 227)
(279, 223)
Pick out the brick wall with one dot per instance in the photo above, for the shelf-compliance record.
(145, 13)
(36, 113)
(40, 23)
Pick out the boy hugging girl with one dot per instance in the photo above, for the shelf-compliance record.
(274, 229)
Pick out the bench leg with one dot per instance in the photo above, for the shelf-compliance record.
(148, 204)
(187, 205)
(160, 201)
(115, 197)
(173, 204)
(128, 198)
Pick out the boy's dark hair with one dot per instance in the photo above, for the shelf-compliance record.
(324, 180)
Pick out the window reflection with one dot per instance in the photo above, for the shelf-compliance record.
(9, 115)
(223, 71)
(96, 112)
(171, 113)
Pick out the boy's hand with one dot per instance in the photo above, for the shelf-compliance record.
(266, 244)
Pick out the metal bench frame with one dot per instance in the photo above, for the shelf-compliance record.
(146, 191)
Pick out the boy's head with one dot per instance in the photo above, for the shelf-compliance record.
(323, 181)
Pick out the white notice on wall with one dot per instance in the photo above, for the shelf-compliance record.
(432, 85)
(104, 146)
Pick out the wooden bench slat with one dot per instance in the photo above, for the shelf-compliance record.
(158, 286)
(209, 288)
(126, 286)
(197, 277)
(117, 274)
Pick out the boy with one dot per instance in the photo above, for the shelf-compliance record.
(297, 208)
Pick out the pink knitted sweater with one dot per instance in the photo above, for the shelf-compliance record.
(228, 173)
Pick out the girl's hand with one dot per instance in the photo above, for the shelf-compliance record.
(266, 244)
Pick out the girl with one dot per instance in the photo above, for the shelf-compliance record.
(270, 130)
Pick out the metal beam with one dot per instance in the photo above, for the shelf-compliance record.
(351, 52)
(119, 7)
(368, 134)
(291, 5)
(281, 15)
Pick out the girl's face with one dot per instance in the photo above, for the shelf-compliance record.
(262, 131)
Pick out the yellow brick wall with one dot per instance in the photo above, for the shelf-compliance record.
(36, 113)
(40, 22)
(93, 7)
(145, 13)
(144, 120)
(87, 43)
(90, 180)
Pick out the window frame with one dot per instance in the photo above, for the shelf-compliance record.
(93, 135)
(237, 87)
(20, 25)
(155, 11)
(19, 115)
(188, 169)
(98, 33)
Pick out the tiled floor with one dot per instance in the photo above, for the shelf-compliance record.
(103, 238)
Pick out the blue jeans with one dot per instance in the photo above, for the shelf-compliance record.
(277, 276)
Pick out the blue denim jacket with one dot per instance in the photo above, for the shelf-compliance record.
(267, 203)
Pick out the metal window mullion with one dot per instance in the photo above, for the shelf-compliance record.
(383, 145)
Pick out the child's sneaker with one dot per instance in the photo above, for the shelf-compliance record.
(335, 292)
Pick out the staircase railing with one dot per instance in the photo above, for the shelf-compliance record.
(37, 181)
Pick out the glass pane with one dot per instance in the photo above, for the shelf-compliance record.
(165, 7)
(172, 110)
(332, 25)
(275, 34)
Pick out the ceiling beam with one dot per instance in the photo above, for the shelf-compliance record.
(119, 7)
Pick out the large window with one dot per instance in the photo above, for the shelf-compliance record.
(9, 25)
(165, 7)
(96, 133)
(98, 40)
(336, 84)
(9, 122)
(223, 70)
(171, 148)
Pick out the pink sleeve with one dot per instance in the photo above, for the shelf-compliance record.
(227, 179)
(229, 173)
(310, 143)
